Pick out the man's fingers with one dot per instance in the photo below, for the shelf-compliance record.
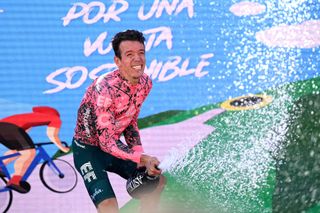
(155, 170)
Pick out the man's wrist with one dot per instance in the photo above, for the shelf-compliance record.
(144, 159)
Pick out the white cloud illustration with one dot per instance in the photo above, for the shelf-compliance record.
(246, 8)
(304, 35)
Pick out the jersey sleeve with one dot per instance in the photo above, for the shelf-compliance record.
(131, 133)
(54, 121)
(106, 127)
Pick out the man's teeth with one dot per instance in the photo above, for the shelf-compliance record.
(137, 67)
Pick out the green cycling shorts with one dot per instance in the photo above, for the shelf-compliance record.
(92, 163)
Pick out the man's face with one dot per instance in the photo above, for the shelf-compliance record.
(132, 62)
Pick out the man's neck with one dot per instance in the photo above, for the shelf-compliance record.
(132, 81)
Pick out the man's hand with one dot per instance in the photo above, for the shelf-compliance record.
(151, 163)
(65, 149)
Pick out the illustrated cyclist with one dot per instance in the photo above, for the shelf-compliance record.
(13, 135)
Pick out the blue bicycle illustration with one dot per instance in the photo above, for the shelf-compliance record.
(56, 174)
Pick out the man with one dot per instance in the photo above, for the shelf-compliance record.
(13, 135)
(110, 108)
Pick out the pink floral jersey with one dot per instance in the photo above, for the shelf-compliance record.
(110, 108)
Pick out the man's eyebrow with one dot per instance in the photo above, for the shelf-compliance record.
(128, 51)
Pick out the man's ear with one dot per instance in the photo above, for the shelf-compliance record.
(116, 60)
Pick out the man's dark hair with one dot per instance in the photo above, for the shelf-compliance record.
(128, 35)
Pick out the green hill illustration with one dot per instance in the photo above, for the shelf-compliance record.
(263, 159)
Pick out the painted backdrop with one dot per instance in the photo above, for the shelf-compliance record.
(199, 52)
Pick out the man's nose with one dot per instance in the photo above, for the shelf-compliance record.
(137, 57)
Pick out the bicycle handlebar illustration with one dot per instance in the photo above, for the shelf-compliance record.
(56, 174)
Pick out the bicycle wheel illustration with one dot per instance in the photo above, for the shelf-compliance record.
(59, 183)
(5, 196)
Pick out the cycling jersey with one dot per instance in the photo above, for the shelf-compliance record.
(28, 120)
(13, 134)
(109, 108)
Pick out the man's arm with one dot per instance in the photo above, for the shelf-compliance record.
(110, 144)
(106, 127)
(132, 135)
(53, 135)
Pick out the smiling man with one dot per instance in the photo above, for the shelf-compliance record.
(110, 108)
